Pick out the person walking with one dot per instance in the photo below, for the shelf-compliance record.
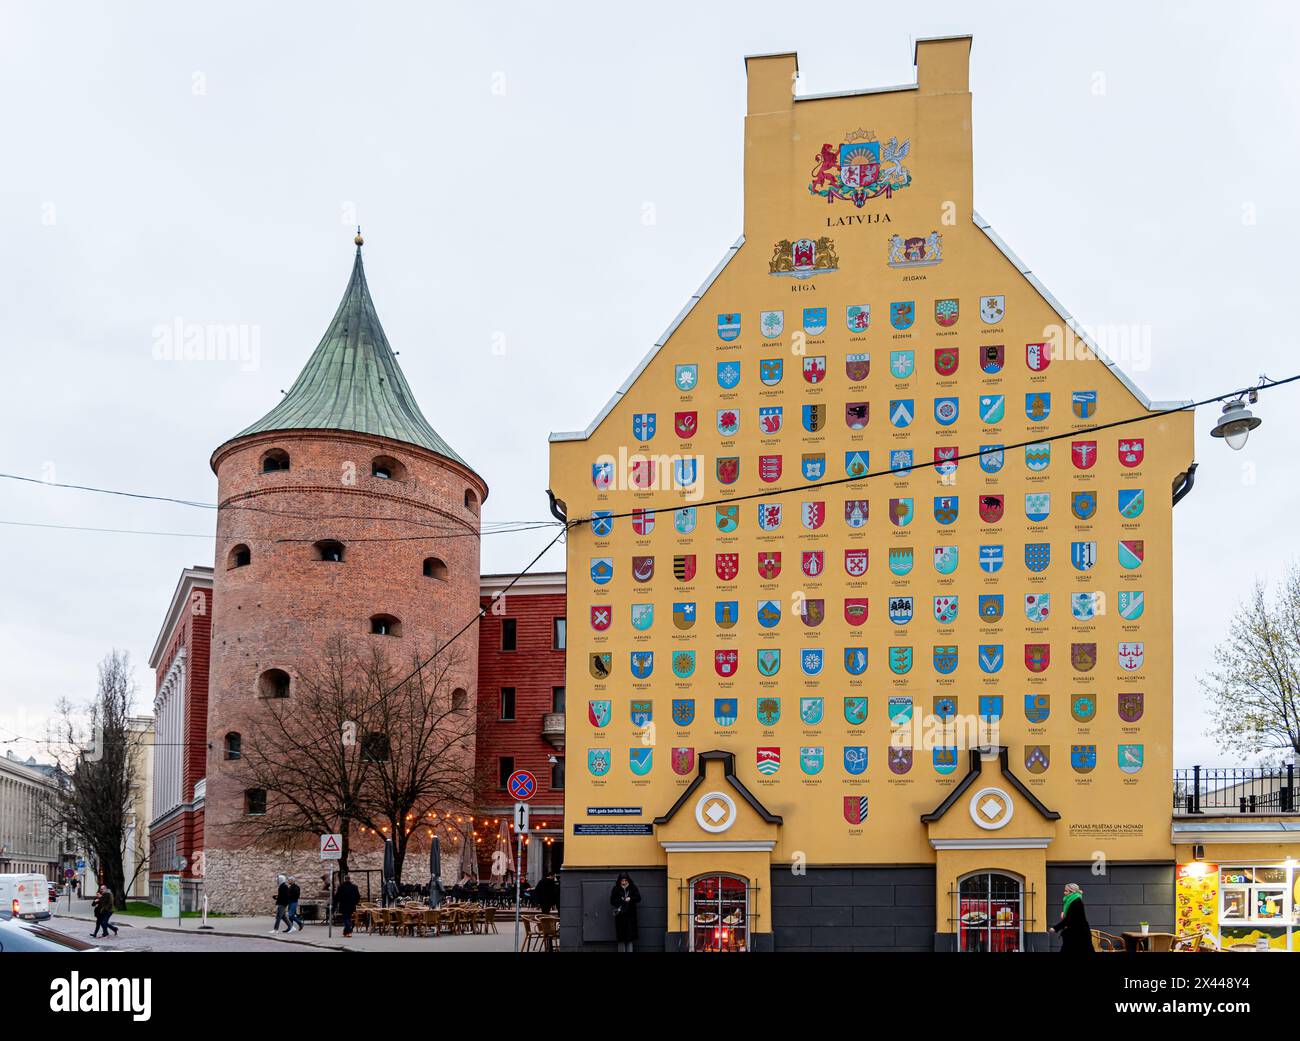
(1076, 934)
(348, 897)
(281, 905)
(547, 893)
(103, 907)
(623, 898)
(295, 894)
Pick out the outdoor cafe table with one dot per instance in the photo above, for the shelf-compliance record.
(1140, 942)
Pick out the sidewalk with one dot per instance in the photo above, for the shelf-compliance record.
(311, 935)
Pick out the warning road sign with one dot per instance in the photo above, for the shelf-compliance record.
(331, 847)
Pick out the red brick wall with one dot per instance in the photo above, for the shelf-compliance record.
(278, 611)
(532, 669)
(195, 765)
(193, 632)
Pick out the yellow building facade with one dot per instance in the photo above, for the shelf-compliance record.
(870, 634)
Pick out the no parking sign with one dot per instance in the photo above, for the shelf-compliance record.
(522, 785)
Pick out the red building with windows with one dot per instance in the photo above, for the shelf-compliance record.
(180, 663)
(521, 713)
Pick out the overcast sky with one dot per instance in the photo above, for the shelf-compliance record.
(541, 187)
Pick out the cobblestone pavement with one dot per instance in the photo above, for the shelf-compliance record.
(251, 934)
(130, 938)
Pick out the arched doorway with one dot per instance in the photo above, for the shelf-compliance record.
(719, 913)
(990, 912)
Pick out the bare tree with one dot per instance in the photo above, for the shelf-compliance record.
(361, 742)
(419, 743)
(301, 753)
(96, 750)
(1255, 686)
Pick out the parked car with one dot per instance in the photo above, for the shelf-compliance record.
(18, 936)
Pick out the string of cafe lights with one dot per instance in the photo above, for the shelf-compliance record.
(1265, 384)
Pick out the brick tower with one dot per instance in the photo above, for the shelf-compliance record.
(342, 513)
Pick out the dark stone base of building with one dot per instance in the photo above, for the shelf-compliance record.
(1118, 901)
(878, 908)
(587, 918)
(854, 909)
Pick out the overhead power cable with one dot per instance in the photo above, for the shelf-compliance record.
(1071, 434)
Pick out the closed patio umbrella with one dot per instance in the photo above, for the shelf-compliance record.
(506, 855)
(435, 872)
(390, 869)
(468, 854)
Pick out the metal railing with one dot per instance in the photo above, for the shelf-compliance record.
(1232, 789)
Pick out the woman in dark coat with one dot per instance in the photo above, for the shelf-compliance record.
(623, 898)
(1076, 935)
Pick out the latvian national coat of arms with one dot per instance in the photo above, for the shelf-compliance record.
(860, 169)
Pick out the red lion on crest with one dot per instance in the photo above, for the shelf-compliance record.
(827, 168)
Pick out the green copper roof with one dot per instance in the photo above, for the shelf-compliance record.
(352, 382)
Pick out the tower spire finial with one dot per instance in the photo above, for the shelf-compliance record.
(359, 240)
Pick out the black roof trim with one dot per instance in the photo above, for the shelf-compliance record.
(969, 779)
(728, 760)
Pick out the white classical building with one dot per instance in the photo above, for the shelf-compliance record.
(27, 844)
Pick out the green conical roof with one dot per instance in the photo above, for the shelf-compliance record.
(352, 382)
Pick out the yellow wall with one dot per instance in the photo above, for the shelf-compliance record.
(1124, 816)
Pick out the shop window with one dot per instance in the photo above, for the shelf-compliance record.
(505, 767)
(386, 468)
(275, 460)
(990, 913)
(234, 745)
(330, 550)
(509, 634)
(273, 683)
(558, 634)
(385, 625)
(240, 556)
(719, 913)
(1254, 896)
(435, 568)
(254, 802)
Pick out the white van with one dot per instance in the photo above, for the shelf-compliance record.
(25, 896)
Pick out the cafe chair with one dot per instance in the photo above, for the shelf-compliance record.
(1107, 943)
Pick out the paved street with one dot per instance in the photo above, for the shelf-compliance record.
(253, 934)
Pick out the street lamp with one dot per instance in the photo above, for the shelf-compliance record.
(1236, 422)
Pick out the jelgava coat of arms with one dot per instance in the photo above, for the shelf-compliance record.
(860, 168)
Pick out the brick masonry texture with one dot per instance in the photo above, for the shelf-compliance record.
(533, 669)
(193, 633)
(278, 611)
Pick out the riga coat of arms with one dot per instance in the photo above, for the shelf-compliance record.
(803, 258)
